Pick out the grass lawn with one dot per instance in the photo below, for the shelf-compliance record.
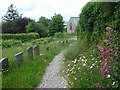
(29, 74)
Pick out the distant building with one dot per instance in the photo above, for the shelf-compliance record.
(72, 24)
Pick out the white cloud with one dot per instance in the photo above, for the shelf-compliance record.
(37, 8)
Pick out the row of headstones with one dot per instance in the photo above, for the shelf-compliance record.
(66, 41)
(18, 58)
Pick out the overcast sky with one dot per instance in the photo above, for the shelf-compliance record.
(37, 8)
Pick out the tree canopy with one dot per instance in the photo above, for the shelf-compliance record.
(56, 24)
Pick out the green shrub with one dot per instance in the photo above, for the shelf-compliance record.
(59, 34)
(23, 37)
(42, 40)
(10, 43)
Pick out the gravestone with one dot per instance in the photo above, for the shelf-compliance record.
(36, 50)
(63, 42)
(18, 58)
(58, 42)
(4, 65)
(66, 41)
(30, 53)
(45, 42)
(47, 48)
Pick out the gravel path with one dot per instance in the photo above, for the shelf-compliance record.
(52, 78)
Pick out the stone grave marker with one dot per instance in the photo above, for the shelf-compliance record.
(45, 42)
(63, 42)
(19, 58)
(30, 53)
(58, 42)
(36, 50)
(47, 48)
(4, 65)
(66, 41)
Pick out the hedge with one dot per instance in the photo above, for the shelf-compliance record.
(10, 43)
(23, 37)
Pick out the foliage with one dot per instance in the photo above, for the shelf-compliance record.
(13, 22)
(41, 29)
(110, 64)
(31, 27)
(11, 15)
(22, 37)
(94, 18)
(10, 43)
(56, 24)
(58, 34)
(42, 40)
(44, 21)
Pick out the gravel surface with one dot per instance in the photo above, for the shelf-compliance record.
(52, 77)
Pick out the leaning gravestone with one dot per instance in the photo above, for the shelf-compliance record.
(18, 58)
(30, 53)
(47, 48)
(36, 50)
(4, 65)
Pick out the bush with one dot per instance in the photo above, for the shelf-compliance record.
(58, 34)
(22, 37)
(42, 40)
(10, 43)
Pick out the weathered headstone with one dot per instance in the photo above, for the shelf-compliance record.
(63, 42)
(45, 42)
(18, 58)
(30, 53)
(58, 42)
(47, 48)
(66, 41)
(36, 50)
(4, 65)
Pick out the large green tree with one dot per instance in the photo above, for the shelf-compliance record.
(11, 15)
(56, 24)
(44, 20)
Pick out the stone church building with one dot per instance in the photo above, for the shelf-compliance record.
(72, 24)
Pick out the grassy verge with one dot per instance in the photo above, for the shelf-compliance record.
(30, 73)
(82, 65)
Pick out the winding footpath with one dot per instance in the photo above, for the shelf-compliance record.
(52, 78)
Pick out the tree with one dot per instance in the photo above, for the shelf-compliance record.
(41, 29)
(56, 24)
(11, 17)
(44, 21)
(31, 27)
(12, 14)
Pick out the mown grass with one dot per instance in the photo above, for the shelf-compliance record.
(82, 65)
(29, 74)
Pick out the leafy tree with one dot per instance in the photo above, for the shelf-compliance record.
(12, 14)
(44, 20)
(41, 29)
(56, 24)
(31, 27)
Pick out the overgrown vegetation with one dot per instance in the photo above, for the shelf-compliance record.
(82, 59)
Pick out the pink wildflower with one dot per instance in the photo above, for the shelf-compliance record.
(100, 48)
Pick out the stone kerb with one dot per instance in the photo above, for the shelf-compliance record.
(4, 65)
(18, 58)
(36, 50)
(30, 53)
